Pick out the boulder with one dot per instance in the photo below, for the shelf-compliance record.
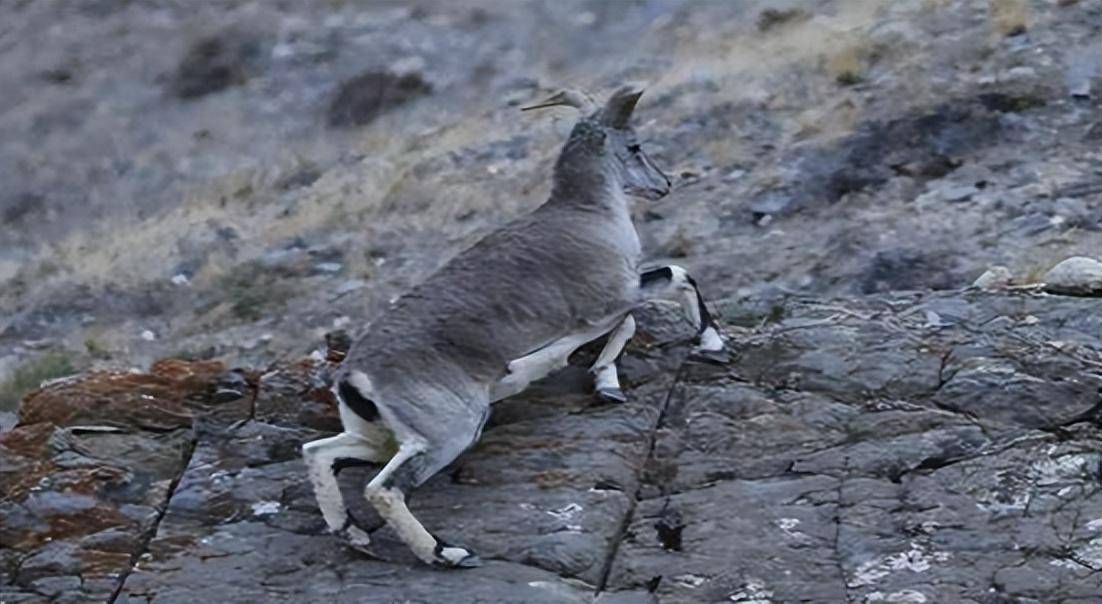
(1076, 276)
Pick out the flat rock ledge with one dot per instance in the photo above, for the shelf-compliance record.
(912, 447)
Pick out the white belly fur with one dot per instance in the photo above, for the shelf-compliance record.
(541, 363)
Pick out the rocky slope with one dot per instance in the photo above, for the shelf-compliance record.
(220, 184)
(230, 179)
(903, 448)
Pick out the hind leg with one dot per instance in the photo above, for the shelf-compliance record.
(417, 460)
(324, 460)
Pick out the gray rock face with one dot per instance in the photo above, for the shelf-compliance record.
(911, 447)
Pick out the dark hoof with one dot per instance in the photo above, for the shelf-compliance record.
(714, 357)
(612, 395)
(471, 561)
(456, 557)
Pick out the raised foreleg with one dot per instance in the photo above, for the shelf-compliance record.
(674, 283)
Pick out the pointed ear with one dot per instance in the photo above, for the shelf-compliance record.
(618, 109)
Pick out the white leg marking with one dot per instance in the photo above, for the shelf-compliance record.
(685, 293)
(541, 363)
(319, 456)
(391, 505)
(710, 340)
(604, 367)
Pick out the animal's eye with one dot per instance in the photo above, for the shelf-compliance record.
(634, 148)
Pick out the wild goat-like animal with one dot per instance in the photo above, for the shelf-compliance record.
(505, 312)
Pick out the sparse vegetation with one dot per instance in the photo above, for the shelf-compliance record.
(96, 348)
(772, 17)
(31, 375)
(1010, 17)
(251, 292)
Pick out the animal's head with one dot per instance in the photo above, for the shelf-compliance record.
(606, 138)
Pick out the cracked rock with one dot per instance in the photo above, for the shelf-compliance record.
(848, 452)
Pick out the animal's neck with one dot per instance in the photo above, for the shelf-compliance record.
(586, 182)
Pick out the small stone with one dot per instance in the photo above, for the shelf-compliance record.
(148, 336)
(960, 193)
(996, 277)
(337, 343)
(1083, 66)
(350, 286)
(1028, 225)
(180, 279)
(734, 175)
(408, 65)
(230, 386)
(1077, 276)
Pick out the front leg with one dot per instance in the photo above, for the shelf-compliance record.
(604, 368)
(674, 283)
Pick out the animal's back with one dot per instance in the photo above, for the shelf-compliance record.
(523, 286)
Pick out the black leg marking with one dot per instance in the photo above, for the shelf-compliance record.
(706, 319)
(341, 463)
(470, 560)
(363, 407)
(659, 274)
(440, 545)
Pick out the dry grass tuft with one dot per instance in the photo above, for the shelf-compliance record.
(1010, 17)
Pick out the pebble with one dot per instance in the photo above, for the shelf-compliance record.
(996, 277)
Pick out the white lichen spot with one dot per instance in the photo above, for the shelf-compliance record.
(264, 508)
(929, 526)
(903, 596)
(566, 512)
(1057, 470)
(918, 559)
(1088, 554)
(689, 580)
(788, 525)
(753, 592)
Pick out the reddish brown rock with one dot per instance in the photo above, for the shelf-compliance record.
(162, 399)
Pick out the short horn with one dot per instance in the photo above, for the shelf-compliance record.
(618, 110)
(568, 98)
